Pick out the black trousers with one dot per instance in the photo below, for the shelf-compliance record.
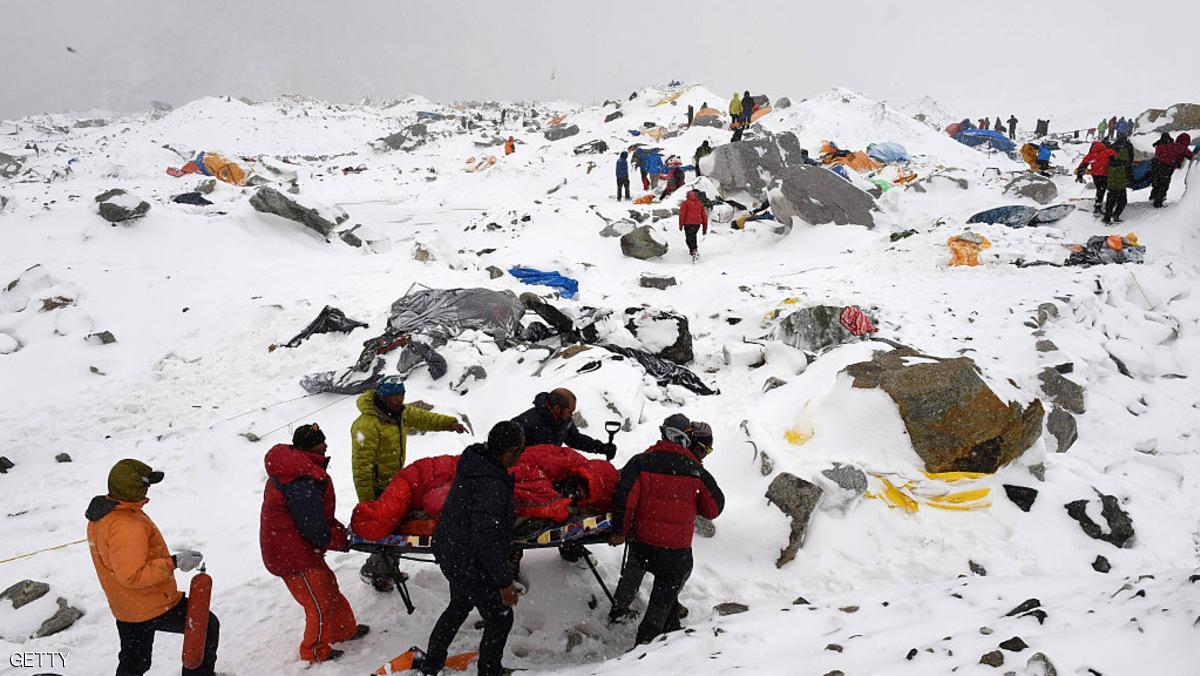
(1114, 205)
(1160, 177)
(671, 569)
(1101, 183)
(689, 232)
(469, 591)
(622, 184)
(137, 641)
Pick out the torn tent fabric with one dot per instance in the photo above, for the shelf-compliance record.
(442, 314)
(965, 248)
(215, 165)
(329, 320)
(567, 286)
(1103, 250)
(887, 152)
(663, 371)
(854, 320)
(345, 381)
(979, 137)
(1021, 216)
(417, 353)
(909, 495)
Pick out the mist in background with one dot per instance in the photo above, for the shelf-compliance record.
(1072, 60)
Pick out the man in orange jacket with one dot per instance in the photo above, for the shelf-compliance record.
(137, 572)
(692, 217)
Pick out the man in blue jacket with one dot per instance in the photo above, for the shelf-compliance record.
(1043, 158)
(623, 175)
(472, 542)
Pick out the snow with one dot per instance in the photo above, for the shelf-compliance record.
(195, 296)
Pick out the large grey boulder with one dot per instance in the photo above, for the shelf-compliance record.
(755, 165)
(1034, 186)
(954, 420)
(1179, 117)
(1062, 391)
(816, 195)
(813, 329)
(409, 138)
(10, 166)
(1063, 427)
(24, 592)
(560, 131)
(1120, 525)
(116, 206)
(640, 243)
(783, 102)
(798, 499)
(271, 201)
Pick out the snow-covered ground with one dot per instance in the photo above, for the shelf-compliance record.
(196, 295)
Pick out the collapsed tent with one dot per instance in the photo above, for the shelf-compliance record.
(551, 483)
(212, 164)
(1103, 250)
(759, 113)
(834, 157)
(1022, 216)
(417, 353)
(475, 165)
(989, 137)
(567, 286)
(708, 117)
(663, 371)
(965, 248)
(329, 320)
(887, 152)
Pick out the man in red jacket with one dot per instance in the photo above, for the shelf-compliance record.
(297, 527)
(655, 506)
(1098, 156)
(1168, 156)
(692, 217)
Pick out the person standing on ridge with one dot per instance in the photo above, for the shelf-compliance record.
(692, 217)
(137, 572)
(691, 112)
(1012, 126)
(735, 108)
(379, 443)
(1097, 158)
(1120, 166)
(623, 175)
(747, 106)
(702, 151)
(984, 123)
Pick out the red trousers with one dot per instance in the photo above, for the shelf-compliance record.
(328, 617)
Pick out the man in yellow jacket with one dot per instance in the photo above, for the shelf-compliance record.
(735, 108)
(379, 444)
(137, 572)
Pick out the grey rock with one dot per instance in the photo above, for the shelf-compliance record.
(814, 329)
(6, 464)
(1063, 392)
(834, 648)
(1101, 564)
(1040, 665)
(615, 115)
(1038, 471)
(640, 243)
(494, 272)
(976, 568)
(755, 165)
(619, 228)
(1179, 117)
(660, 214)
(1045, 346)
(847, 477)
(801, 601)
(206, 187)
(679, 351)
(1024, 607)
(10, 166)
(60, 620)
(816, 195)
(3, 202)
(161, 107)
(1033, 186)
(271, 201)
(650, 282)
(91, 124)
(798, 499)
(109, 194)
(560, 131)
(407, 139)
(993, 659)
(101, 338)
(116, 213)
(1046, 312)
(25, 592)
(773, 383)
(730, 608)
(1120, 525)
(350, 238)
(783, 102)
(62, 457)
(986, 631)
(1021, 496)
(1063, 427)
(705, 528)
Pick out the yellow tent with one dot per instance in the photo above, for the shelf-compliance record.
(224, 168)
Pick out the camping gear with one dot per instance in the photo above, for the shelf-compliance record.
(991, 138)
(417, 353)
(212, 164)
(858, 161)
(1102, 250)
(591, 148)
(408, 660)
(329, 320)
(854, 320)
(665, 372)
(1022, 216)
(965, 248)
(195, 628)
(567, 286)
(887, 152)
(193, 198)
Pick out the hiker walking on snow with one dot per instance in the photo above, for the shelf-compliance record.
(551, 421)
(471, 543)
(1043, 158)
(691, 113)
(692, 217)
(378, 443)
(655, 506)
(1168, 156)
(623, 175)
(735, 109)
(1097, 158)
(137, 572)
(296, 528)
(702, 151)
(1012, 126)
(1119, 173)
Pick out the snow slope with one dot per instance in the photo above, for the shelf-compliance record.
(195, 295)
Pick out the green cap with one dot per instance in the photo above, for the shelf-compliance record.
(129, 479)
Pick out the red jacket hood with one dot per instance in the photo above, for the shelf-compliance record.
(1184, 139)
(286, 463)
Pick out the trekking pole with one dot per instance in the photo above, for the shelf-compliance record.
(592, 565)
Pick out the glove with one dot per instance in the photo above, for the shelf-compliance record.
(187, 560)
(609, 451)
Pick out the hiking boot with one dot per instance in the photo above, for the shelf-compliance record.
(333, 655)
(1117, 219)
(361, 631)
(381, 584)
(1106, 220)
(620, 616)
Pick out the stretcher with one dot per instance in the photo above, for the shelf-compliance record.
(570, 538)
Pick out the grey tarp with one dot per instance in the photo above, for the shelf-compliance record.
(346, 381)
(331, 319)
(665, 372)
(416, 354)
(442, 314)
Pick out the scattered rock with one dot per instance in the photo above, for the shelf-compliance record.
(1021, 496)
(350, 238)
(421, 254)
(912, 652)
(986, 631)
(207, 186)
(560, 131)
(6, 464)
(640, 243)
(1033, 186)
(833, 647)
(1014, 645)
(1063, 427)
(1066, 393)
(814, 328)
(976, 568)
(801, 601)
(618, 228)
(615, 115)
(91, 123)
(56, 302)
(1046, 312)
(62, 457)
(849, 609)
(1045, 346)
(773, 383)
(161, 107)
(954, 420)
(1120, 525)
(116, 206)
(10, 166)
(1038, 471)
(1040, 665)
(705, 528)
(783, 102)
(24, 592)
(1037, 614)
(649, 282)
(730, 608)
(816, 195)
(993, 659)
(101, 338)
(271, 201)
(60, 620)
(798, 499)
(835, 672)
(663, 334)
(494, 272)
(1179, 117)
(1101, 564)
(1026, 606)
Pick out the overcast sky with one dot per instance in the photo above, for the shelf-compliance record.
(1066, 58)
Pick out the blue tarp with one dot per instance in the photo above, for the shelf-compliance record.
(1139, 175)
(978, 137)
(887, 152)
(567, 287)
(1022, 216)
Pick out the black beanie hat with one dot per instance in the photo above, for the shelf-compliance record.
(503, 436)
(307, 436)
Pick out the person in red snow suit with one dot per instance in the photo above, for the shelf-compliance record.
(692, 217)
(1168, 156)
(1097, 158)
(297, 527)
(657, 500)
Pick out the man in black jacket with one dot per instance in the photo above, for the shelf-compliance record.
(472, 542)
(550, 422)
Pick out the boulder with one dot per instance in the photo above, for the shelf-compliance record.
(615, 115)
(783, 102)
(30, 613)
(754, 166)
(1062, 427)
(640, 243)
(1101, 564)
(1034, 186)
(798, 499)
(994, 659)
(10, 166)
(24, 592)
(350, 238)
(814, 329)
(3, 202)
(660, 283)
(664, 334)
(116, 206)
(772, 383)
(271, 201)
(494, 272)
(1063, 392)
(1120, 525)
(62, 457)
(842, 484)
(1040, 665)
(730, 608)
(1021, 496)
(61, 620)
(6, 464)
(1179, 117)
(816, 195)
(560, 131)
(954, 420)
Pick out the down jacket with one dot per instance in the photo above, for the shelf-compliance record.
(131, 558)
(1098, 157)
(379, 443)
(297, 523)
(661, 492)
(474, 536)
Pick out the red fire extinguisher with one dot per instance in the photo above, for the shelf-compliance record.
(195, 629)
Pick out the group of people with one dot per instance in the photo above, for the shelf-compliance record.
(659, 495)
(1110, 164)
(1114, 127)
(986, 124)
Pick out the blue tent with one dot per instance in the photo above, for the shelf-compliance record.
(978, 137)
(1021, 216)
(887, 152)
(567, 287)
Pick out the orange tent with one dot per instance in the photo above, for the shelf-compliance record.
(759, 113)
(859, 161)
